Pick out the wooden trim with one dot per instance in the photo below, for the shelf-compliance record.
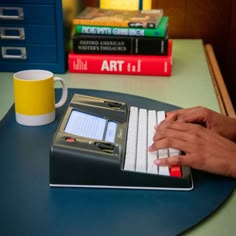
(226, 106)
(218, 96)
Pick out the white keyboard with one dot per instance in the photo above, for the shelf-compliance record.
(140, 137)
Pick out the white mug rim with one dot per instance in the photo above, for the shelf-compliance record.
(33, 75)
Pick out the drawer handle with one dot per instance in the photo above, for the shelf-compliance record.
(12, 33)
(11, 13)
(14, 53)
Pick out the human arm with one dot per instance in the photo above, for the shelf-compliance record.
(204, 149)
(221, 124)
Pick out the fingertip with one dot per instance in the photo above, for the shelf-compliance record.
(150, 148)
(168, 113)
(157, 162)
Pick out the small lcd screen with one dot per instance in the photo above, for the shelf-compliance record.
(90, 126)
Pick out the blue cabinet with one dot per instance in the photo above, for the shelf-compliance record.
(32, 35)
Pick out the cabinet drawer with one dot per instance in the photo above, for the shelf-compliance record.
(27, 14)
(27, 1)
(30, 34)
(29, 53)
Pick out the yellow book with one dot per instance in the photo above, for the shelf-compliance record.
(126, 4)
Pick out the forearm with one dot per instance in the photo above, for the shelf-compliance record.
(234, 129)
(233, 170)
(232, 162)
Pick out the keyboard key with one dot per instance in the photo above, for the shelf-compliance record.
(174, 152)
(162, 153)
(163, 170)
(160, 116)
(175, 171)
(152, 120)
(141, 161)
(130, 157)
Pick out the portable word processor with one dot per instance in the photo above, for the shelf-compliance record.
(103, 143)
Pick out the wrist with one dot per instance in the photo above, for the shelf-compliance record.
(232, 163)
(233, 120)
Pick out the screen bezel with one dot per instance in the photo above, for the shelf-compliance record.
(106, 129)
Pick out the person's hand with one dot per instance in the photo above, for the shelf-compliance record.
(203, 148)
(221, 124)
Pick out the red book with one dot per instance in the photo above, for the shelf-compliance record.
(122, 64)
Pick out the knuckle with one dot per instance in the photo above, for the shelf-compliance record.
(203, 110)
(168, 142)
(197, 130)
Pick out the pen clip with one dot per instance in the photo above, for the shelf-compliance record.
(106, 147)
(113, 104)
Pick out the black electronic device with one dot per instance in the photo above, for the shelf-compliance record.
(89, 149)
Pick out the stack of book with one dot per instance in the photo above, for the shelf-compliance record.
(110, 41)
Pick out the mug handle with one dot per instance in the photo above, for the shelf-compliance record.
(63, 99)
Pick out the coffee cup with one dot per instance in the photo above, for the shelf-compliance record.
(34, 95)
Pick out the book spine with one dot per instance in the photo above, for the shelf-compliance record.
(100, 44)
(100, 23)
(109, 30)
(146, 5)
(121, 64)
(140, 7)
(119, 18)
(160, 31)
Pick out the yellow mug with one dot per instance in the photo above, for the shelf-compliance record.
(34, 95)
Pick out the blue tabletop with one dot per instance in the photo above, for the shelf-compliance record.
(30, 207)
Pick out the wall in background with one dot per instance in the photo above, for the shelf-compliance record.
(214, 21)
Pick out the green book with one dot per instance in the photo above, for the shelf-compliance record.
(160, 31)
